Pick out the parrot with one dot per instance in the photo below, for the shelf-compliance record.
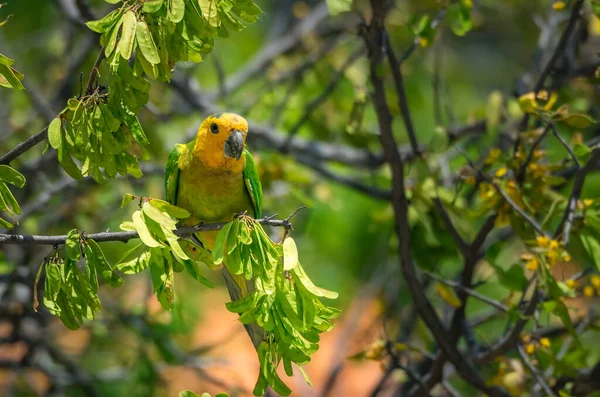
(214, 177)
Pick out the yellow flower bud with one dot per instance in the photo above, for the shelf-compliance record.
(545, 342)
(530, 348)
(542, 241)
(571, 284)
(501, 172)
(588, 291)
(532, 264)
(559, 5)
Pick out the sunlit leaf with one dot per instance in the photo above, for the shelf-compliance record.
(12, 176)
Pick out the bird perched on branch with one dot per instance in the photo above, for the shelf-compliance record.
(214, 177)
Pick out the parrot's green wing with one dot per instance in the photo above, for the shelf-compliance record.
(172, 174)
(253, 186)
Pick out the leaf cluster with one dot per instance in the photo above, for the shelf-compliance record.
(9, 175)
(285, 302)
(71, 280)
(160, 249)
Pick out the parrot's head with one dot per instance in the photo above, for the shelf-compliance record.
(220, 141)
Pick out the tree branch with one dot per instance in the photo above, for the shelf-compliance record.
(374, 36)
(558, 52)
(24, 146)
(401, 93)
(129, 235)
(568, 216)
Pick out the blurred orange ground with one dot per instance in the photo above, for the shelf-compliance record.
(355, 379)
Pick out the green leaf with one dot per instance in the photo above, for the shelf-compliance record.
(136, 129)
(150, 69)
(301, 277)
(158, 216)
(54, 136)
(219, 246)
(96, 256)
(175, 212)
(579, 120)
(12, 204)
(11, 77)
(65, 160)
(127, 40)
(187, 393)
(244, 304)
(146, 43)
(512, 279)
(152, 6)
(192, 268)
(72, 248)
(6, 224)
(591, 245)
(127, 198)
(338, 6)
(209, 12)
(53, 282)
(4, 60)
(143, 231)
(112, 41)
(305, 376)
(104, 24)
(232, 238)
(459, 15)
(175, 10)
(165, 293)
(290, 254)
(135, 265)
(12, 176)
(109, 119)
(582, 152)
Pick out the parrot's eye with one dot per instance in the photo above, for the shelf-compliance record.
(214, 128)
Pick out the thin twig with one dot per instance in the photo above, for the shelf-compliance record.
(505, 196)
(538, 376)
(327, 91)
(401, 94)
(566, 221)
(469, 291)
(563, 142)
(509, 341)
(458, 239)
(520, 177)
(94, 72)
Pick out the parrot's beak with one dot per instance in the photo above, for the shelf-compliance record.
(234, 145)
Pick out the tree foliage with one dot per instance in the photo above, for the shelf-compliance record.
(464, 206)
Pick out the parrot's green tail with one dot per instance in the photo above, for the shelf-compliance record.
(239, 288)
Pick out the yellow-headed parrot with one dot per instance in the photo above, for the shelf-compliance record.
(214, 178)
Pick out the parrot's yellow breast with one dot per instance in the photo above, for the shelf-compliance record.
(211, 195)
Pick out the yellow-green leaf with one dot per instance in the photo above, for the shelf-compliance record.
(54, 133)
(290, 254)
(448, 295)
(146, 43)
(579, 120)
(143, 231)
(176, 10)
(127, 34)
(12, 176)
(209, 11)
